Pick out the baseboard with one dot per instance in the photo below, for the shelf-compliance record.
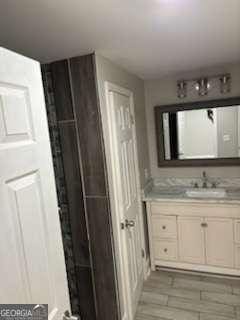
(197, 268)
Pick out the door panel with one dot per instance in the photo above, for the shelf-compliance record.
(191, 240)
(125, 175)
(220, 242)
(13, 100)
(25, 194)
(132, 171)
(31, 252)
(135, 250)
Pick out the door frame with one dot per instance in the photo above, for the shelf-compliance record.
(112, 164)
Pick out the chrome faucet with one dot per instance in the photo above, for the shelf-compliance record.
(204, 180)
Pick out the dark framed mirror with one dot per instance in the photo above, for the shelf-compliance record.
(205, 133)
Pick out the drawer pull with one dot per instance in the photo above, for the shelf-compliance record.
(164, 227)
(204, 225)
(165, 250)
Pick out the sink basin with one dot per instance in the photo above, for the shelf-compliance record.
(206, 193)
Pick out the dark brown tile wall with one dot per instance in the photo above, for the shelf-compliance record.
(62, 92)
(89, 126)
(99, 228)
(79, 122)
(86, 296)
(86, 109)
(74, 190)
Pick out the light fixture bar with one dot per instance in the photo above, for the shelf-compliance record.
(202, 84)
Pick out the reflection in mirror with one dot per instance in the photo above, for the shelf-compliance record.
(209, 133)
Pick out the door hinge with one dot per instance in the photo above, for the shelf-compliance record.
(143, 253)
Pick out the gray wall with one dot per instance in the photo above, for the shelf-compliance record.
(162, 92)
(107, 71)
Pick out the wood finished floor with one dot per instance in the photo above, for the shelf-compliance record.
(179, 296)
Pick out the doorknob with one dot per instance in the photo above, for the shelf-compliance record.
(129, 223)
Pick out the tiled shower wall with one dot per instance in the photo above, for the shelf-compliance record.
(61, 188)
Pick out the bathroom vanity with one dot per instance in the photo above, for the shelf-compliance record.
(198, 234)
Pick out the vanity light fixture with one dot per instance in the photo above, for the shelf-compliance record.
(225, 83)
(204, 84)
(182, 89)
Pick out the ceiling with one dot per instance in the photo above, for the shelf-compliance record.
(150, 38)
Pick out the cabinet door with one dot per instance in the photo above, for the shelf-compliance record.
(219, 242)
(237, 231)
(191, 240)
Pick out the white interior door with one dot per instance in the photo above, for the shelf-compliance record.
(31, 251)
(130, 265)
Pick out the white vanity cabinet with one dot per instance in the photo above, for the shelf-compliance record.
(195, 236)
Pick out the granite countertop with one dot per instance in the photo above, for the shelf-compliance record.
(178, 194)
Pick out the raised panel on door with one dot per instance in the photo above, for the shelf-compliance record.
(191, 240)
(219, 242)
(134, 256)
(14, 100)
(31, 252)
(25, 197)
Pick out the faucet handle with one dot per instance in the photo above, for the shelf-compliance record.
(194, 184)
(215, 183)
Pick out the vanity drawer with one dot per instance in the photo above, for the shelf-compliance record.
(164, 227)
(237, 257)
(165, 250)
(237, 231)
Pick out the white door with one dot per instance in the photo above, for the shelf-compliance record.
(219, 242)
(31, 252)
(191, 239)
(128, 219)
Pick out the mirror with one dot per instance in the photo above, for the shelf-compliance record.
(200, 133)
